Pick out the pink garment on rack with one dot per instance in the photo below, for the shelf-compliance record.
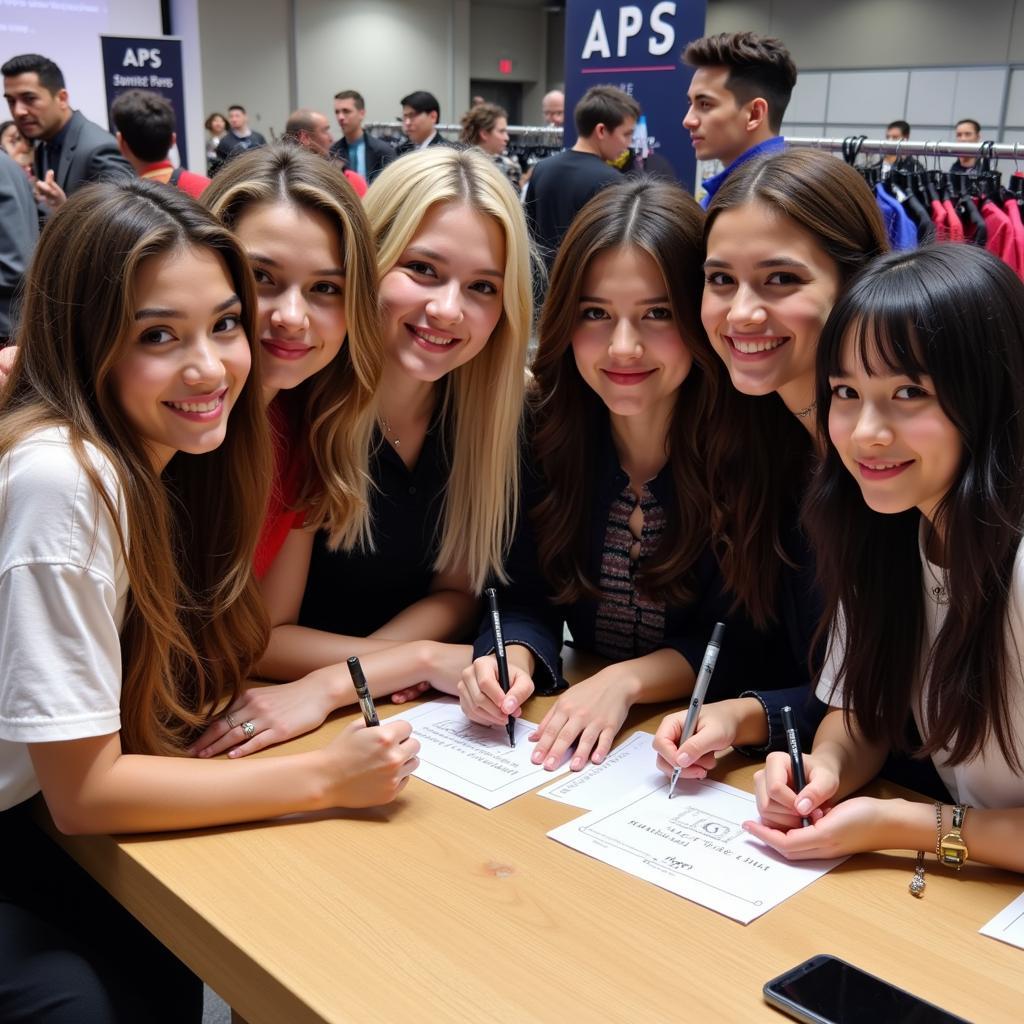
(1013, 213)
(1001, 241)
(956, 229)
(940, 221)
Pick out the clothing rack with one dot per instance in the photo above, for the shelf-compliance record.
(903, 147)
(552, 133)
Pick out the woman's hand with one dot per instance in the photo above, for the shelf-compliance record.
(857, 825)
(782, 808)
(367, 767)
(277, 713)
(718, 726)
(443, 665)
(480, 692)
(590, 715)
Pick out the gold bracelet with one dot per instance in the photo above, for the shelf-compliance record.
(938, 829)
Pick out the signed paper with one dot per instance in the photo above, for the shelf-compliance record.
(693, 845)
(473, 761)
(629, 767)
(1008, 924)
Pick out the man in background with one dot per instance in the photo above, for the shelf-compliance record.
(552, 107)
(311, 130)
(70, 151)
(19, 231)
(240, 136)
(967, 130)
(562, 184)
(738, 95)
(896, 132)
(420, 114)
(361, 152)
(145, 126)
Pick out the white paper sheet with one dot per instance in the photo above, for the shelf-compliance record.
(693, 845)
(627, 768)
(472, 761)
(1008, 924)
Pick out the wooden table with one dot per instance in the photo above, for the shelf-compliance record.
(434, 909)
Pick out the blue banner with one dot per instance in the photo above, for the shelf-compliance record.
(154, 64)
(637, 47)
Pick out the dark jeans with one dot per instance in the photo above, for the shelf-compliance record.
(69, 953)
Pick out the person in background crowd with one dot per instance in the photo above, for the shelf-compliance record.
(552, 107)
(70, 150)
(420, 114)
(17, 147)
(312, 131)
(486, 126)
(561, 185)
(240, 136)
(738, 95)
(357, 147)
(896, 131)
(145, 134)
(19, 231)
(967, 130)
(217, 126)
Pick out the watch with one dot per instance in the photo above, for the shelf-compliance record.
(952, 850)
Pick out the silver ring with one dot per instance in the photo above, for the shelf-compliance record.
(229, 719)
(249, 728)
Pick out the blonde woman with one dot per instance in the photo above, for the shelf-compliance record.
(453, 259)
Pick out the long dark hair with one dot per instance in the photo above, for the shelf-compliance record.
(194, 624)
(759, 456)
(663, 221)
(957, 315)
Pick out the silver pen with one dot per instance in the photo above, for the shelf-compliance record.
(700, 689)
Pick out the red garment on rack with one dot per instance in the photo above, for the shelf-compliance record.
(1001, 241)
(956, 229)
(1017, 225)
(940, 221)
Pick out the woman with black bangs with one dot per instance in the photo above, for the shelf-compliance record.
(920, 386)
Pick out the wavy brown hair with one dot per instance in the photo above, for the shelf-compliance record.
(337, 404)
(759, 455)
(194, 623)
(664, 222)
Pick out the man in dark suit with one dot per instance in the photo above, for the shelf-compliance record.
(19, 230)
(358, 148)
(70, 151)
(420, 114)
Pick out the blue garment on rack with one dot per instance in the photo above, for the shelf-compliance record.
(899, 227)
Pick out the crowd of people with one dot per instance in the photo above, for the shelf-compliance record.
(290, 421)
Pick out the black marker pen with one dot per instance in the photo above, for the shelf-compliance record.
(499, 653)
(355, 670)
(796, 755)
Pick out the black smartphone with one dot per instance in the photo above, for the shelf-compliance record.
(827, 990)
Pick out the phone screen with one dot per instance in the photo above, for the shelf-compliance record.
(829, 989)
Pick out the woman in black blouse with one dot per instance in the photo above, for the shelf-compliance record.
(615, 534)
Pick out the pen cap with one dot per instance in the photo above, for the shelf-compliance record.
(492, 598)
(717, 633)
(355, 670)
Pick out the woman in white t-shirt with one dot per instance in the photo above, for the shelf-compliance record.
(126, 595)
(916, 515)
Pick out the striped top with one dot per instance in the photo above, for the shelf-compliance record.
(629, 624)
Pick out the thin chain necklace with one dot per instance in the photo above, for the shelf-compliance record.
(393, 438)
(800, 414)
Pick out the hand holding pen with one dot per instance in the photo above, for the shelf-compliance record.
(700, 690)
(499, 654)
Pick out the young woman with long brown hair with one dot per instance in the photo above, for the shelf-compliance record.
(784, 236)
(126, 584)
(616, 538)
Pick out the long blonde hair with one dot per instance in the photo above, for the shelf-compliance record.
(484, 397)
(338, 403)
(194, 623)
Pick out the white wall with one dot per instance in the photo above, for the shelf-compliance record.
(498, 31)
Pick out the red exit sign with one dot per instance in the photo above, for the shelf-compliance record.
(505, 66)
